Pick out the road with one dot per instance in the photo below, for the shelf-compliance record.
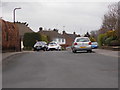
(61, 69)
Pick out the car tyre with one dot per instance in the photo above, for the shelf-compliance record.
(89, 51)
(74, 51)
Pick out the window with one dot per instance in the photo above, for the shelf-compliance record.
(82, 40)
(62, 40)
(59, 40)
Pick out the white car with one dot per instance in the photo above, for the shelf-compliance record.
(54, 46)
(81, 44)
(40, 45)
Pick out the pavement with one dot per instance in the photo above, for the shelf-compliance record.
(7, 55)
(107, 52)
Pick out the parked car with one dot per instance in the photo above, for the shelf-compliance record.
(81, 43)
(54, 46)
(40, 45)
(94, 45)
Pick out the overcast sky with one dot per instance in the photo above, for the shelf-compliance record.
(76, 15)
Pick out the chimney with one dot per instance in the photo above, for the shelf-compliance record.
(74, 33)
(56, 30)
(64, 32)
(40, 29)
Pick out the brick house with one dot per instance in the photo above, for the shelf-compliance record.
(10, 36)
(69, 38)
(64, 39)
(53, 35)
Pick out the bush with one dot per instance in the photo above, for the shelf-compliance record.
(43, 38)
(30, 39)
(108, 40)
(92, 39)
(111, 33)
(101, 39)
(27, 48)
(115, 43)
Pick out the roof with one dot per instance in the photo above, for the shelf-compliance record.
(72, 35)
(51, 34)
(23, 29)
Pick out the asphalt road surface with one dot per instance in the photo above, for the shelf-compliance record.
(61, 69)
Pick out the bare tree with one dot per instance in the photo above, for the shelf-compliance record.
(110, 20)
(118, 24)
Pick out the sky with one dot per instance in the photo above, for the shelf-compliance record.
(78, 16)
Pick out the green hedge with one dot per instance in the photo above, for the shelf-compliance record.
(108, 40)
(30, 39)
(101, 39)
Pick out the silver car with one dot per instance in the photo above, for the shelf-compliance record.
(81, 44)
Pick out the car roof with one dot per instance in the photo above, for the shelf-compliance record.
(41, 42)
(81, 37)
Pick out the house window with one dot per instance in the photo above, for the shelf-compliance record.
(62, 40)
(59, 40)
(54, 40)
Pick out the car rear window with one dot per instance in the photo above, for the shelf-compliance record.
(95, 43)
(82, 40)
(52, 43)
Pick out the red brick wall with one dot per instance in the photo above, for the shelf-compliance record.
(10, 36)
(69, 40)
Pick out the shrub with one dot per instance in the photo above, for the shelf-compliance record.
(27, 48)
(92, 39)
(30, 39)
(108, 40)
(112, 33)
(43, 38)
(115, 43)
(101, 38)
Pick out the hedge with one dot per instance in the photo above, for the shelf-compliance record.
(29, 39)
(101, 39)
(108, 40)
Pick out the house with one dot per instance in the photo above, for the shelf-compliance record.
(69, 38)
(53, 35)
(64, 39)
(23, 28)
(10, 36)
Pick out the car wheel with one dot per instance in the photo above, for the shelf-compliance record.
(89, 51)
(74, 51)
(59, 49)
(44, 49)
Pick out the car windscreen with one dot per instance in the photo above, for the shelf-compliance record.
(52, 44)
(40, 43)
(82, 40)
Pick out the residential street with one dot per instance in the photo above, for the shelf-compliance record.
(61, 69)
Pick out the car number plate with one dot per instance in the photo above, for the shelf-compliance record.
(83, 47)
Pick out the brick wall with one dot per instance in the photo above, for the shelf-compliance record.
(69, 40)
(10, 36)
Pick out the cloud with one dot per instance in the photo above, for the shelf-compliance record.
(76, 16)
(60, 1)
